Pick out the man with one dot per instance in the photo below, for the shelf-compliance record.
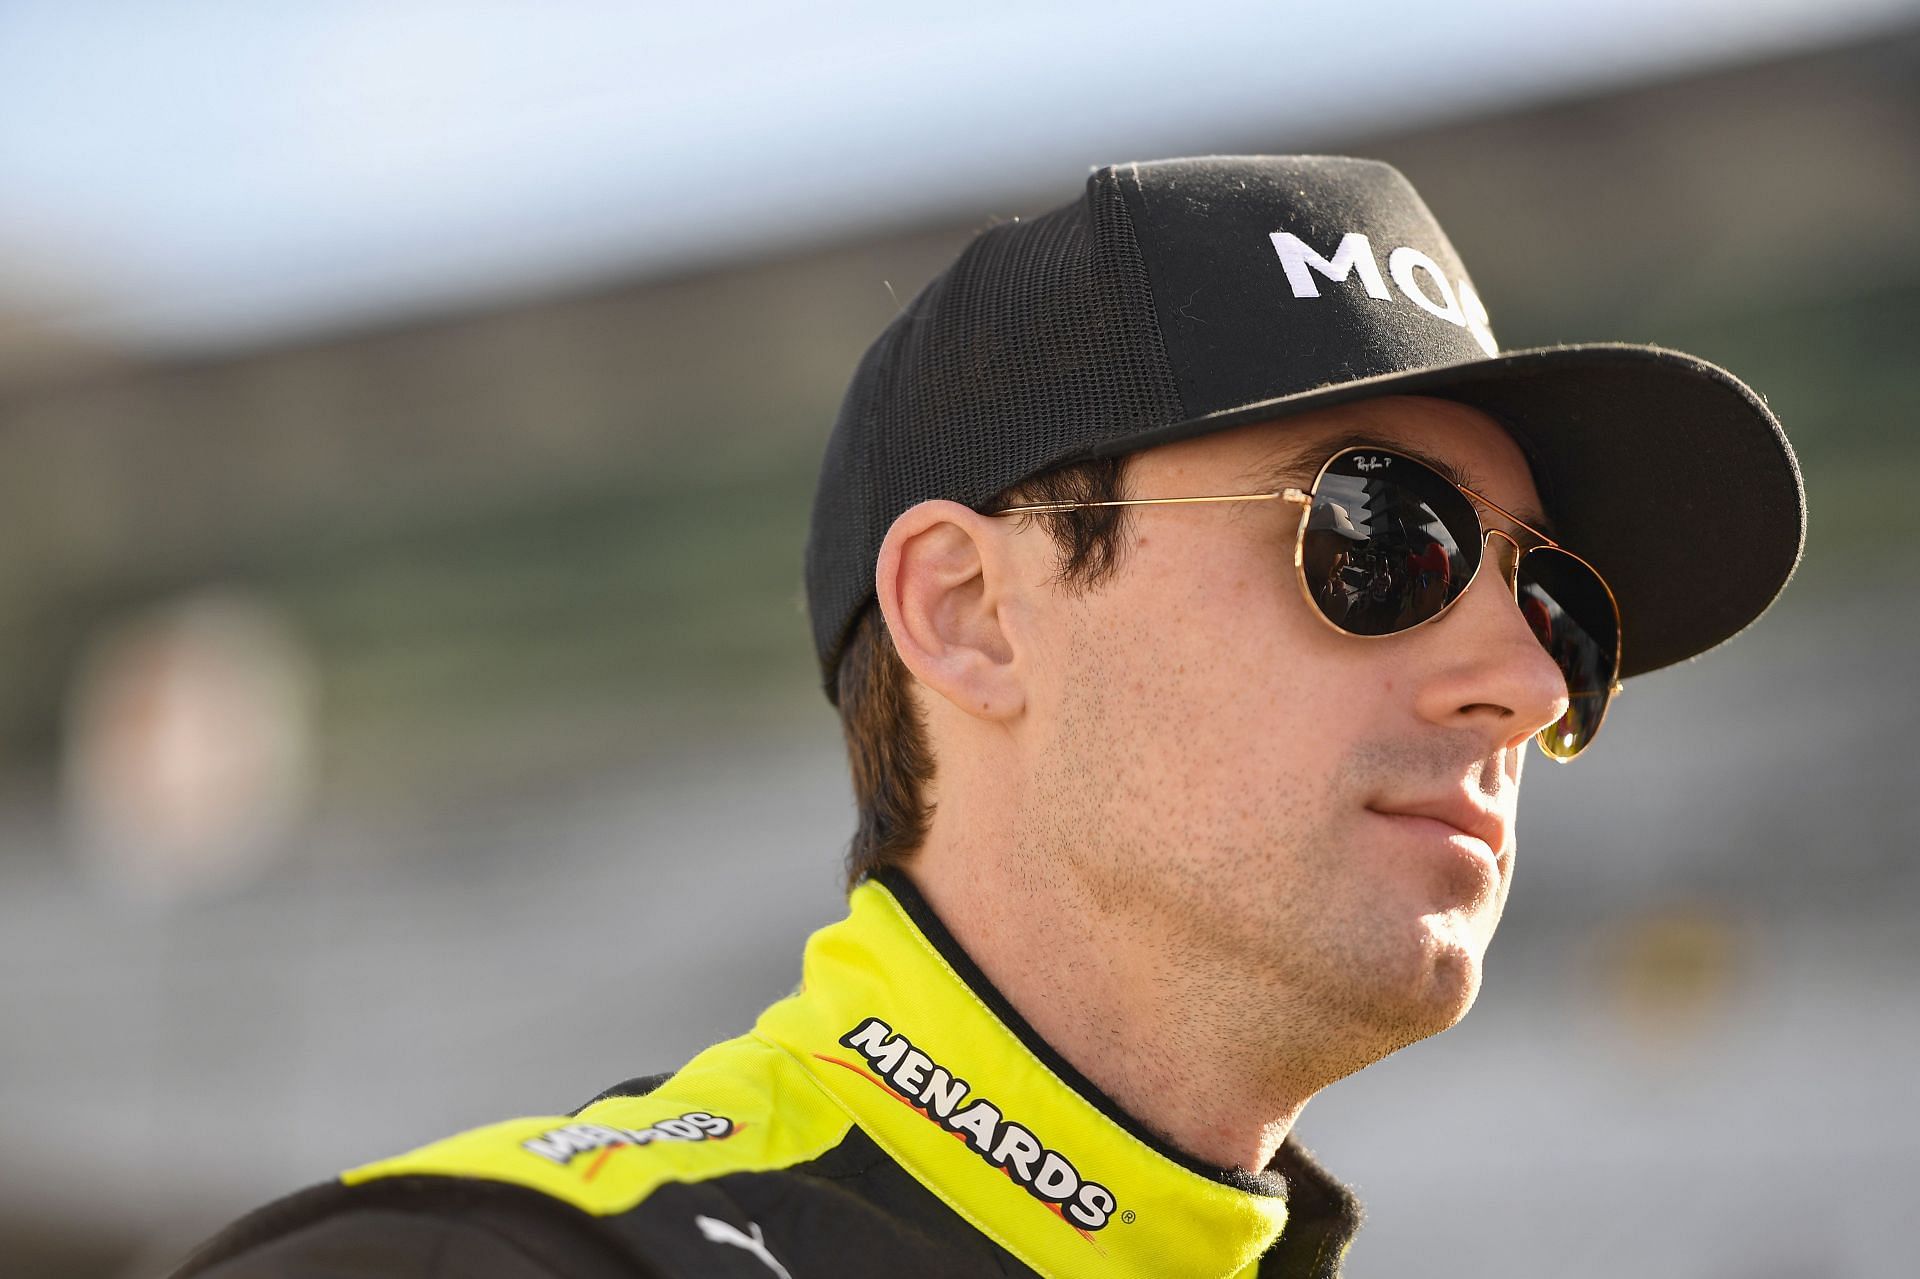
(1191, 574)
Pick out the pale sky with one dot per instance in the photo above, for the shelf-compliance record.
(193, 175)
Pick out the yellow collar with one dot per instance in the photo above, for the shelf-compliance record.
(899, 1027)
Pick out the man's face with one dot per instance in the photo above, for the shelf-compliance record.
(1325, 820)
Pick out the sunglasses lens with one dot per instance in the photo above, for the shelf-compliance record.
(1574, 618)
(1388, 543)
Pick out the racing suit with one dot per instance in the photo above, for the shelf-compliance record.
(895, 1116)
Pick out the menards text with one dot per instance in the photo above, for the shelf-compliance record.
(1046, 1174)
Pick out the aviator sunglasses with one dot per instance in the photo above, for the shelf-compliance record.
(1386, 543)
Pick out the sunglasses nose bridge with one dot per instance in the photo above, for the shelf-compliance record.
(1507, 561)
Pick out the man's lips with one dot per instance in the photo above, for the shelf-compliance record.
(1456, 811)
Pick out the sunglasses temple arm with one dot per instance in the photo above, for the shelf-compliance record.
(1055, 508)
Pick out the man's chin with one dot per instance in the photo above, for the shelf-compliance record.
(1428, 992)
(1452, 978)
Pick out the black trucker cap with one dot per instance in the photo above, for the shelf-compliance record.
(1184, 296)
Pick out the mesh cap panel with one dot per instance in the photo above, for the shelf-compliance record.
(1036, 346)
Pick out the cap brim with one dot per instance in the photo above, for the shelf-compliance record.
(1664, 471)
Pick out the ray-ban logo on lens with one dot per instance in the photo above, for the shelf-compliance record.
(1419, 277)
(1369, 463)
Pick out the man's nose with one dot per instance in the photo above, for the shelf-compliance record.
(1492, 674)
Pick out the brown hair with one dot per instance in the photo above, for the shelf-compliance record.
(887, 748)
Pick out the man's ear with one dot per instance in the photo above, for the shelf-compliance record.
(944, 582)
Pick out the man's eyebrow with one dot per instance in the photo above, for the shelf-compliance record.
(1294, 464)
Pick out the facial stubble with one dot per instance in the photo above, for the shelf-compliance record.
(1268, 927)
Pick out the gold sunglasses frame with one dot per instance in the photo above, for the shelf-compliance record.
(1304, 498)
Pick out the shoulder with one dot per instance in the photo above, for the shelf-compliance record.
(740, 1106)
(525, 1191)
(422, 1228)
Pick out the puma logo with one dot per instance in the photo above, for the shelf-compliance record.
(755, 1243)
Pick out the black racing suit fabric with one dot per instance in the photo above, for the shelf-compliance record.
(851, 1211)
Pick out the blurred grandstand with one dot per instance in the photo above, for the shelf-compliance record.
(507, 599)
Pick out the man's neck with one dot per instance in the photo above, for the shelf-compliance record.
(1176, 1042)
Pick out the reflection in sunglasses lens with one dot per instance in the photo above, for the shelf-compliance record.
(1573, 617)
(1382, 552)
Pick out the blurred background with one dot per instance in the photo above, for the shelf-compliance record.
(408, 420)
